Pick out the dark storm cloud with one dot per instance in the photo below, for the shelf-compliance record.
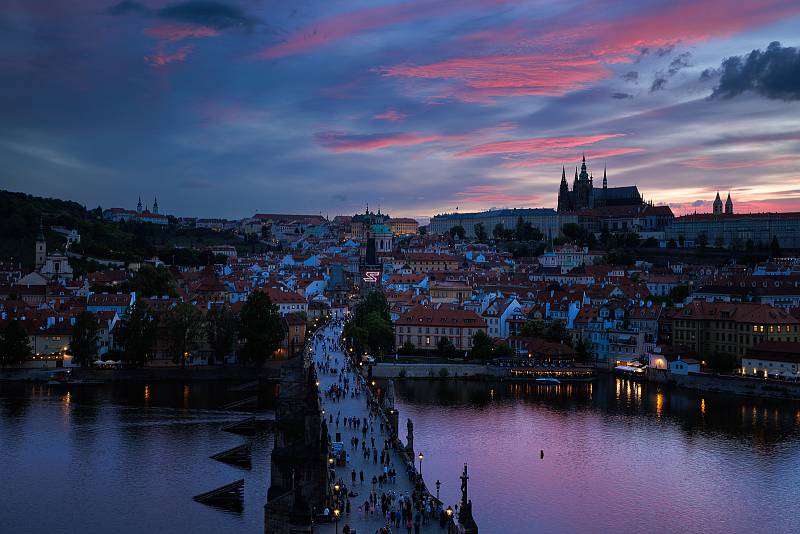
(631, 76)
(708, 74)
(216, 15)
(773, 73)
(621, 96)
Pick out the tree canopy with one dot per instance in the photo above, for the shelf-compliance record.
(260, 328)
(136, 333)
(85, 333)
(14, 345)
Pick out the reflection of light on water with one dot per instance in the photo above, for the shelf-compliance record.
(66, 399)
(186, 396)
(659, 403)
(619, 387)
(703, 406)
(147, 394)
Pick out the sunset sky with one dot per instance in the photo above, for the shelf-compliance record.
(226, 108)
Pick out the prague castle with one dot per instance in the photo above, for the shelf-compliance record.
(585, 195)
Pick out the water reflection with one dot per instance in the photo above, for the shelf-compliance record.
(612, 450)
(123, 458)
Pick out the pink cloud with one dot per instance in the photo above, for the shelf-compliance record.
(507, 75)
(173, 33)
(341, 26)
(390, 115)
(344, 142)
(598, 154)
(570, 58)
(161, 58)
(536, 144)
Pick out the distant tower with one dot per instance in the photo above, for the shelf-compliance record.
(605, 180)
(155, 204)
(717, 205)
(41, 247)
(729, 205)
(139, 205)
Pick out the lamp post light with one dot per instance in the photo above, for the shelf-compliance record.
(330, 461)
(336, 488)
(336, 514)
(438, 485)
(421, 457)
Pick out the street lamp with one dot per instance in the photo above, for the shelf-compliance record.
(317, 383)
(449, 512)
(330, 460)
(438, 485)
(336, 487)
(336, 514)
(421, 457)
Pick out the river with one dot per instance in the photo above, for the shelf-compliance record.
(618, 457)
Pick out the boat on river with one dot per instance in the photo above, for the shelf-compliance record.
(548, 381)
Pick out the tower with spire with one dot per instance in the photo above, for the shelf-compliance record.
(717, 205)
(563, 191)
(41, 247)
(605, 180)
(155, 204)
(139, 205)
(729, 205)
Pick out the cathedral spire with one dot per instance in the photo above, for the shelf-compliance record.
(563, 174)
(139, 205)
(717, 205)
(729, 205)
(605, 180)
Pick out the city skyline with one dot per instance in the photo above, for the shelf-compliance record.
(225, 109)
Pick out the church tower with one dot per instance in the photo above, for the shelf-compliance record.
(729, 205)
(155, 205)
(139, 205)
(41, 248)
(717, 205)
(563, 192)
(605, 180)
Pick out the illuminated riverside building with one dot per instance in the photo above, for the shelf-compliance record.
(731, 328)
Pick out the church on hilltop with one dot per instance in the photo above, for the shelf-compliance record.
(585, 195)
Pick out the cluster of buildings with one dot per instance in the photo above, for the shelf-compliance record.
(441, 287)
(623, 209)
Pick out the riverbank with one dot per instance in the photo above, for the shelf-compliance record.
(270, 371)
(730, 384)
(437, 371)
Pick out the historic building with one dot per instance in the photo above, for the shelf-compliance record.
(546, 220)
(738, 230)
(141, 214)
(585, 195)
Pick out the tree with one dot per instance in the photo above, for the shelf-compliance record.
(221, 326)
(84, 338)
(775, 247)
(153, 281)
(445, 347)
(183, 328)
(14, 345)
(499, 231)
(407, 349)
(423, 230)
(534, 328)
(702, 241)
(480, 233)
(458, 231)
(502, 350)
(574, 232)
(136, 333)
(380, 335)
(260, 328)
(370, 327)
(481, 346)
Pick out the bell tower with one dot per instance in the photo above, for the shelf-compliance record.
(41, 247)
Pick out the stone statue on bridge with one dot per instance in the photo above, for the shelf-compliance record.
(410, 439)
(388, 398)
